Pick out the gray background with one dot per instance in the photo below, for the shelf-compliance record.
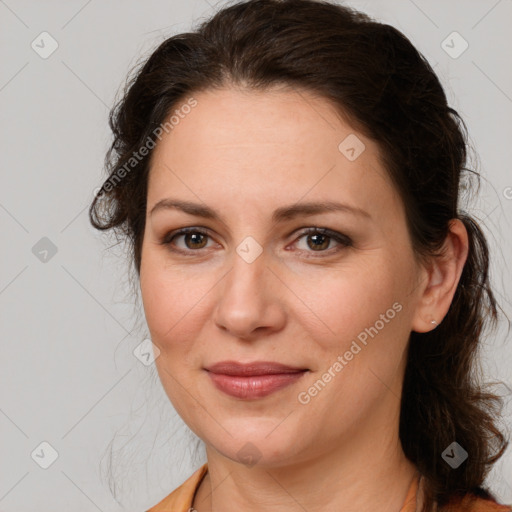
(68, 322)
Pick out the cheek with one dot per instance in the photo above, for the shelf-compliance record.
(162, 296)
(349, 301)
(170, 299)
(157, 298)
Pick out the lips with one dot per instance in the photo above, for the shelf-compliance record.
(254, 380)
(249, 369)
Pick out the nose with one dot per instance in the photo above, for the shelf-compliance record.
(250, 299)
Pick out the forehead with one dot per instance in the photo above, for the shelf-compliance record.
(279, 145)
(227, 118)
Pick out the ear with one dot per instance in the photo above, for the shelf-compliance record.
(441, 279)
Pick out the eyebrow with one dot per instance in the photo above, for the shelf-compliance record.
(279, 215)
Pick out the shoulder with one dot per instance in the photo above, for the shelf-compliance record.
(180, 500)
(472, 503)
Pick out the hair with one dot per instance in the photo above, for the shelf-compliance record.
(377, 80)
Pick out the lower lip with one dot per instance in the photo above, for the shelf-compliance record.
(255, 386)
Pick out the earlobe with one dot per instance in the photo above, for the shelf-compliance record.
(443, 278)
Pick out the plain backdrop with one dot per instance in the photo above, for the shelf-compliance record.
(72, 391)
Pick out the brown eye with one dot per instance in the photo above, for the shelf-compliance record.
(194, 239)
(320, 239)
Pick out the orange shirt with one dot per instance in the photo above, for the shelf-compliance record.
(180, 500)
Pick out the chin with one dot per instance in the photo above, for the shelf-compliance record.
(257, 442)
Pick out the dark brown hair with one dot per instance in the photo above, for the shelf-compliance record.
(388, 91)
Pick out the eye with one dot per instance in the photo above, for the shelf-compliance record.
(194, 239)
(319, 240)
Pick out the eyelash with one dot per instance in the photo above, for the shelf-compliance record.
(343, 240)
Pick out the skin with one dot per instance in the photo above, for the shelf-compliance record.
(245, 153)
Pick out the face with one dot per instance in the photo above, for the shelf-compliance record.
(267, 273)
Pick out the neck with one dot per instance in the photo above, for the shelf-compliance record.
(359, 476)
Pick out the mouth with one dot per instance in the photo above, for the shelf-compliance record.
(251, 381)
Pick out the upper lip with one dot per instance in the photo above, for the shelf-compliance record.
(254, 368)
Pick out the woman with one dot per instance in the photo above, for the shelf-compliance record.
(288, 176)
